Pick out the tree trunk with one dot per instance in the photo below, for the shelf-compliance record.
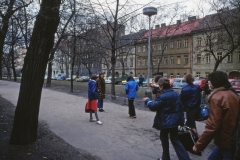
(26, 114)
(216, 65)
(13, 65)
(49, 78)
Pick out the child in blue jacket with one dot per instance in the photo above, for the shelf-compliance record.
(91, 105)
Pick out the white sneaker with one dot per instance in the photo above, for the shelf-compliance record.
(92, 120)
(99, 122)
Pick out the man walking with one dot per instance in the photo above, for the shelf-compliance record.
(141, 79)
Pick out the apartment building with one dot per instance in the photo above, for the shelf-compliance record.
(171, 49)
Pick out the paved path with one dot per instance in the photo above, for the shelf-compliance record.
(119, 138)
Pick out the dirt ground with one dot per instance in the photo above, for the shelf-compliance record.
(48, 145)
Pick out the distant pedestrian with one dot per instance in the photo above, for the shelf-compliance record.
(169, 116)
(220, 125)
(191, 101)
(101, 87)
(91, 105)
(155, 86)
(141, 79)
(131, 89)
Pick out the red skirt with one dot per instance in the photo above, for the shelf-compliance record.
(91, 105)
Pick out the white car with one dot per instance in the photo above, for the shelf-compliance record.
(108, 80)
(69, 78)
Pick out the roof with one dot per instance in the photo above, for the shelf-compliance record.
(131, 38)
(173, 30)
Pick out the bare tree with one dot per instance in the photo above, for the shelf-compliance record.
(26, 114)
(5, 17)
(220, 33)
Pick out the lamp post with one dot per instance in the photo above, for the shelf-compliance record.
(149, 11)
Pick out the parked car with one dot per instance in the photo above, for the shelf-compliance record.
(199, 77)
(171, 80)
(200, 82)
(69, 78)
(108, 80)
(179, 83)
(151, 80)
(236, 85)
(125, 81)
(83, 79)
(61, 76)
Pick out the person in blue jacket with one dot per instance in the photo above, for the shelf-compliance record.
(191, 101)
(131, 89)
(91, 106)
(169, 116)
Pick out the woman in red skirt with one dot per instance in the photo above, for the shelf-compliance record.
(91, 105)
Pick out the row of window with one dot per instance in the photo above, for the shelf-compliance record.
(198, 74)
(164, 46)
(165, 61)
(207, 58)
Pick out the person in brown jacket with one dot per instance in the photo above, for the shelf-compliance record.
(101, 87)
(221, 122)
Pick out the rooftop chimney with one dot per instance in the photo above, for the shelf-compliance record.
(193, 18)
(157, 26)
(179, 22)
(163, 25)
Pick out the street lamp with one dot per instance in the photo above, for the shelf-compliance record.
(149, 11)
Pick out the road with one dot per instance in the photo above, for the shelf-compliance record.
(119, 138)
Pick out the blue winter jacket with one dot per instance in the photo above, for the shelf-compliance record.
(169, 111)
(92, 90)
(191, 96)
(131, 88)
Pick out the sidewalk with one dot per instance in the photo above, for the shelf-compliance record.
(119, 138)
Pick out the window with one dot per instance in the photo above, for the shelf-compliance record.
(178, 75)
(185, 59)
(230, 58)
(186, 43)
(171, 75)
(171, 60)
(165, 46)
(208, 41)
(154, 47)
(172, 45)
(131, 62)
(139, 49)
(133, 50)
(219, 56)
(139, 62)
(199, 41)
(154, 61)
(198, 58)
(179, 44)
(206, 74)
(143, 62)
(125, 62)
(144, 48)
(118, 64)
(160, 47)
(165, 61)
(178, 59)
(208, 58)
(198, 74)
